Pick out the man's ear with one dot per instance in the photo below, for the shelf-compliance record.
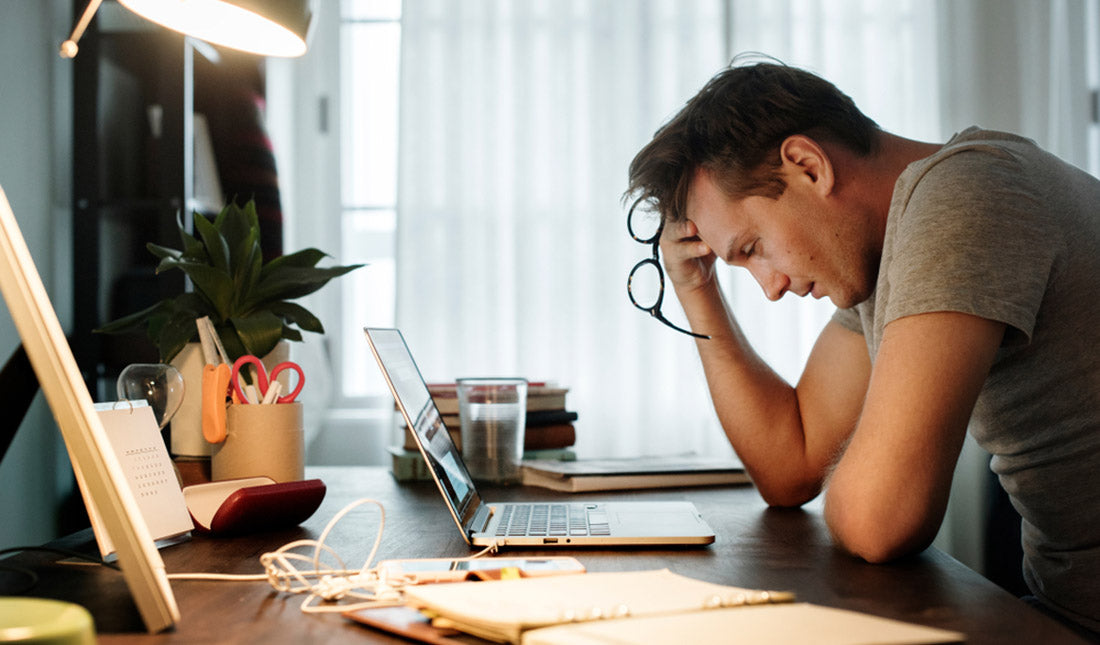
(804, 158)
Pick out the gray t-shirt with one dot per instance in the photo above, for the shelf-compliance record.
(993, 226)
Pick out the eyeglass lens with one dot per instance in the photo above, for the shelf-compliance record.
(644, 223)
(645, 286)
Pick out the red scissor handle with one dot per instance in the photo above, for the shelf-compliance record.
(265, 379)
(235, 376)
(278, 369)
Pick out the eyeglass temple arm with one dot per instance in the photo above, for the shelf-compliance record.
(657, 314)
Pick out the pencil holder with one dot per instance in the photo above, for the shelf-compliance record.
(261, 440)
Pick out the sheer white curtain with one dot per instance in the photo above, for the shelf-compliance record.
(1021, 66)
(518, 121)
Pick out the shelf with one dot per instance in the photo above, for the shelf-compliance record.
(132, 121)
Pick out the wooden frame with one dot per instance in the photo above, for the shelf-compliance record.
(86, 440)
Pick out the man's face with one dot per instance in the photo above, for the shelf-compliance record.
(799, 243)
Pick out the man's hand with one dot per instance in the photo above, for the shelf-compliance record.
(689, 262)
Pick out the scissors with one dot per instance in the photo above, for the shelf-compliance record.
(264, 379)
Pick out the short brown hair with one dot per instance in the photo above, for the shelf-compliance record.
(733, 128)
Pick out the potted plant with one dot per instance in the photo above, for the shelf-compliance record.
(248, 301)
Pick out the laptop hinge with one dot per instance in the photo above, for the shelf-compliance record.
(481, 519)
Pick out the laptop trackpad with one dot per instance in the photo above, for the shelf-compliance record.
(655, 522)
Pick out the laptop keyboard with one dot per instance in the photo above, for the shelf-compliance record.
(552, 520)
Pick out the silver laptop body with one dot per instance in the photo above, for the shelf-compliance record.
(534, 524)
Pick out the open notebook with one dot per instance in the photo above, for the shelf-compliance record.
(511, 524)
(651, 607)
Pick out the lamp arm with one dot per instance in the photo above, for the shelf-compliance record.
(69, 48)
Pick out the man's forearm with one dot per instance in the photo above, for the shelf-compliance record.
(759, 411)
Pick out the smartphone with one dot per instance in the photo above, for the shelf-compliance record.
(452, 570)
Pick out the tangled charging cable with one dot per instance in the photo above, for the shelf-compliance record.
(324, 581)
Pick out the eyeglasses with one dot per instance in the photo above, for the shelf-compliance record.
(646, 284)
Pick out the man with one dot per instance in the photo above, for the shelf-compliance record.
(966, 278)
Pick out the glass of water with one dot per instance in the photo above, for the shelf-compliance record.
(493, 414)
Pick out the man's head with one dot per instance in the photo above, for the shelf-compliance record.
(772, 168)
(733, 129)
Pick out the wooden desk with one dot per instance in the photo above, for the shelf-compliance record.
(757, 547)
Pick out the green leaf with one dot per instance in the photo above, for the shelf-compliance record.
(163, 251)
(133, 322)
(247, 263)
(174, 335)
(192, 248)
(296, 314)
(259, 333)
(290, 283)
(232, 342)
(192, 305)
(255, 270)
(216, 247)
(303, 258)
(213, 284)
(236, 227)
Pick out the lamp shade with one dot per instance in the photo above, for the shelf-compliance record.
(265, 27)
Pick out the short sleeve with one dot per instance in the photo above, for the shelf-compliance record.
(972, 238)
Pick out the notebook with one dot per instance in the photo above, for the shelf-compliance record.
(516, 523)
(652, 607)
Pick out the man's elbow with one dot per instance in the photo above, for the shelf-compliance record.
(877, 549)
(788, 494)
(875, 538)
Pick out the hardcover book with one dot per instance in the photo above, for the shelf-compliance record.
(635, 472)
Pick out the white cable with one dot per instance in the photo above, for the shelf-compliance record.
(323, 582)
(246, 577)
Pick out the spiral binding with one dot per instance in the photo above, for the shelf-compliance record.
(717, 601)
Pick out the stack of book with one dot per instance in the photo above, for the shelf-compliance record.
(549, 434)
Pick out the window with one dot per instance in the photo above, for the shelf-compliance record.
(370, 36)
(1092, 47)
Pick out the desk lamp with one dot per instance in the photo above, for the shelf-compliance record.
(264, 27)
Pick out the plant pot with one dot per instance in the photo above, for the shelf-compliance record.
(186, 425)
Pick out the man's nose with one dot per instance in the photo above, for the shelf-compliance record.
(774, 283)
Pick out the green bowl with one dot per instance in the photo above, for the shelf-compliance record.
(45, 622)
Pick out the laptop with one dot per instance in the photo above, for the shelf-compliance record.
(534, 524)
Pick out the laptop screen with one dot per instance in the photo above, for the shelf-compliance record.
(411, 393)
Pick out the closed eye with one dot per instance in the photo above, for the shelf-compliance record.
(738, 255)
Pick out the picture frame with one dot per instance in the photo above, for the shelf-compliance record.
(85, 438)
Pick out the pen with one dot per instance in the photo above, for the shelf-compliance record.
(273, 392)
